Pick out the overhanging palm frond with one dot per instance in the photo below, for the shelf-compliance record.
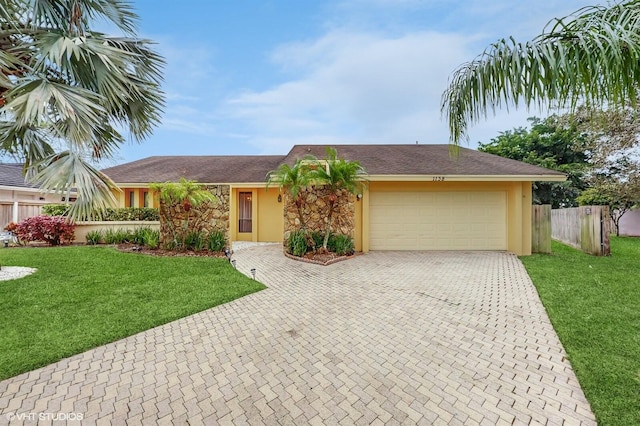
(62, 84)
(591, 56)
(65, 172)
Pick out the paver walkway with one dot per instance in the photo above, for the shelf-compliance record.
(385, 338)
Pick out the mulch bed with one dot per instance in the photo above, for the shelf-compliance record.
(323, 259)
(133, 248)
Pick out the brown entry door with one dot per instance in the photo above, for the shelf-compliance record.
(245, 213)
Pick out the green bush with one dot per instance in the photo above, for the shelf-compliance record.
(55, 209)
(138, 235)
(194, 240)
(317, 238)
(130, 214)
(94, 237)
(117, 236)
(297, 243)
(341, 245)
(151, 238)
(110, 214)
(216, 241)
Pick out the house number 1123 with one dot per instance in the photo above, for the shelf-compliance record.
(438, 178)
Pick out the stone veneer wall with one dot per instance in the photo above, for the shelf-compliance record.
(316, 211)
(207, 217)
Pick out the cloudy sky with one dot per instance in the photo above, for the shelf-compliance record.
(258, 76)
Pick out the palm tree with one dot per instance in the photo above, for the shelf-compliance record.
(293, 179)
(590, 57)
(67, 92)
(187, 194)
(337, 175)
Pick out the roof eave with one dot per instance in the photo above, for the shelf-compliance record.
(466, 178)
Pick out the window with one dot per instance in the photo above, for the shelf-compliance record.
(244, 212)
(132, 199)
(145, 198)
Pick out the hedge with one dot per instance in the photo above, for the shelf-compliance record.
(109, 215)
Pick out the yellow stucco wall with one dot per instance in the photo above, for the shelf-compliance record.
(518, 206)
(268, 220)
(270, 215)
(267, 215)
(124, 197)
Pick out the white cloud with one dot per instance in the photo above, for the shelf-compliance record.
(354, 88)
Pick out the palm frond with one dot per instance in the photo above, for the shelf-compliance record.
(591, 56)
(75, 16)
(66, 172)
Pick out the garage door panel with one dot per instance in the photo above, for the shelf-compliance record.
(438, 221)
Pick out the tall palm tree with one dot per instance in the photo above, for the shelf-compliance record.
(591, 56)
(293, 179)
(337, 175)
(67, 92)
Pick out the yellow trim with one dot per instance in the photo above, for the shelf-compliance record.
(466, 178)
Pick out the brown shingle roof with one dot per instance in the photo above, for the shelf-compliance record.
(204, 169)
(376, 159)
(11, 174)
(423, 160)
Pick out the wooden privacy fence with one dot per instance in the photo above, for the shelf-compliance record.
(16, 211)
(541, 229)
(586, 228)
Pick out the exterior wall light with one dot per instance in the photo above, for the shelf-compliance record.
(279, 198)
(359, 197)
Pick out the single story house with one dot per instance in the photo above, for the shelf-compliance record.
(20, 199)
(418, 197)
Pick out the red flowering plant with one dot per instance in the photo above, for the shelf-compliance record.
(54, 230)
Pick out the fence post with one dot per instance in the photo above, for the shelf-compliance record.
(605, 231)
(541, 229)
(14, 212)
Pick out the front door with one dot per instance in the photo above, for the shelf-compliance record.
(245, 216)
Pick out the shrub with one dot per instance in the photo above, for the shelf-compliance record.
(117, 236)
(317, 238)
(54, 230)
(341, 245)
(130, 214)
(216, 241)
(151, 238)
(55, 209)
(109, 214)
(138, 235)
(94, 237)
(194, 240)
(297, 243)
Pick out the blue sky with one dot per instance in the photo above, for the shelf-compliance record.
(257, 76)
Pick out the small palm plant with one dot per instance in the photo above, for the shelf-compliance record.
(293, 180)
(337, 175)
(186, 194)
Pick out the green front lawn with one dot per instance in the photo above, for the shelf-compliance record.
(83, 297)
(594, 305)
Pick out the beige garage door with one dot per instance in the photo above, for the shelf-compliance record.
(438, 221)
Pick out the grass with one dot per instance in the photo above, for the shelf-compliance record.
(594, 305)
(83, 297)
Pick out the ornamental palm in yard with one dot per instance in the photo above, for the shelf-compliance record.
(68, 92)
(337, 175)
(590, 57)
(293, 179)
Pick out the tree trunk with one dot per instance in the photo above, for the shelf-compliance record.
(325, 243)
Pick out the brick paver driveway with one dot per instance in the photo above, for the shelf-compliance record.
(385, 338)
